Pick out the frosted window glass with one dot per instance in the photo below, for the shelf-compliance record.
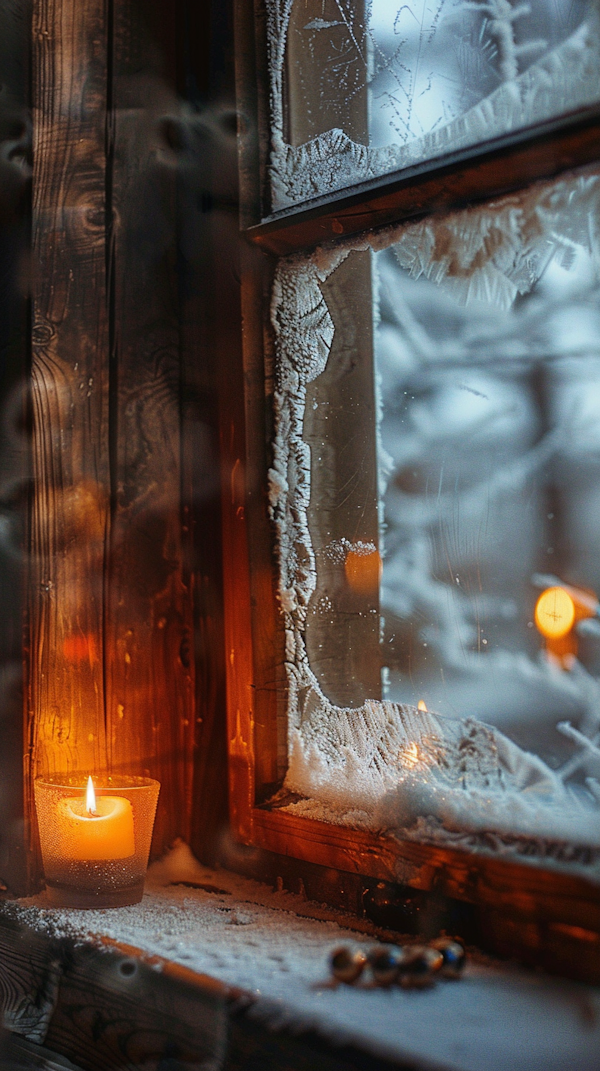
(359, 89)
(460, 719)
(490, 447)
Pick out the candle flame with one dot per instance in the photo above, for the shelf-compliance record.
(90, 797)
(421, 705)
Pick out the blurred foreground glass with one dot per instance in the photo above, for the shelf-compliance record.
(95, 850)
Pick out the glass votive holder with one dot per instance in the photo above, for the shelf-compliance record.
(95, 855)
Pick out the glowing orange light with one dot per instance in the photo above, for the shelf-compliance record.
(555, 613)
(363, 571)
(78, 648)
(410, 755)
(90, 797)
(421, 705)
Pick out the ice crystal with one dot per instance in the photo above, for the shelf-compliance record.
(438, 77)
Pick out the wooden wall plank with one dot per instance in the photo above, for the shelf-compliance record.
(256, 637)
(69, 388)
(149, 649)
(15, 219)
(111, 667)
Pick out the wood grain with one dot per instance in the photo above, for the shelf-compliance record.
(251, 78)
(456, 873)
(110, 1005)
(537, 915)
(18, 1053)
(332, 846)
(202, 521)
(111, 675)
(149, 664)
(117, 1011)
(69, 386)
(268, 682)
(208, 273)
(29, 982)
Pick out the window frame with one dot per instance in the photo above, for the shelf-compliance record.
(552, 915)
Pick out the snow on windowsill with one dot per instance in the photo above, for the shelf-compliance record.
(275, 945)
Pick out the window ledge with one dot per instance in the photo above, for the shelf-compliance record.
(213, 969)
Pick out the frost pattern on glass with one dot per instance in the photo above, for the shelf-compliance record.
(436, 76)
(448, 777)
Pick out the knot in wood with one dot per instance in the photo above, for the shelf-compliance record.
(42, 333)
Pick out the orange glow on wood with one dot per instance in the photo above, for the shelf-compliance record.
(80, 648)
(363, 571)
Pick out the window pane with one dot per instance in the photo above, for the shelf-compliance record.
(481, 554)
(342, 626)
(362, 87)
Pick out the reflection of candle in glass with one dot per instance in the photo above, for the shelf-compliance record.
(422, 705)
(93, 828)
(363, 568)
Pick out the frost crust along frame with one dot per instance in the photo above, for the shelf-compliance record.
(562, 80)
(386, 765)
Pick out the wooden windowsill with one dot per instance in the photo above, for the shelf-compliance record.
(220, 970)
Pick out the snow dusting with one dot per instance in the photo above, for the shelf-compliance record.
(275, 946)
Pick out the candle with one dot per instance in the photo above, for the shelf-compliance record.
(95, 849)
(95, 829)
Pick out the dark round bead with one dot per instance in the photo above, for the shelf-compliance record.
(347, 964)
(454, 955)
(385, 961)
(420, 966)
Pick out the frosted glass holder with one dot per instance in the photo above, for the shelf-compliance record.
(100, 859)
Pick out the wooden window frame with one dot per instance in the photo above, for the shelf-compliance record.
(554, 916)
